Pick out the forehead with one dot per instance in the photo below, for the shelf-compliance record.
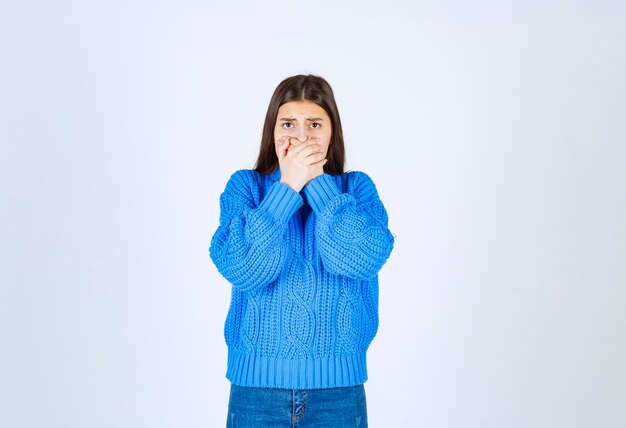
(302, 108)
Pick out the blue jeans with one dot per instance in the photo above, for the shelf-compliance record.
(274, 407)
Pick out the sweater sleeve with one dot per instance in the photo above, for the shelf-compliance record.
(248, 247)
(352, 228)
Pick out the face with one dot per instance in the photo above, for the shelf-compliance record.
(303, 120)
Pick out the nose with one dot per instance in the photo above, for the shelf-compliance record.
(301, 133)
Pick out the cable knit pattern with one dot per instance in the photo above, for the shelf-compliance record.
(304, 273)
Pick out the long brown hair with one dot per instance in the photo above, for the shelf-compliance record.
(302, 88)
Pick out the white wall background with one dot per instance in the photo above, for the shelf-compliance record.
(494, 132)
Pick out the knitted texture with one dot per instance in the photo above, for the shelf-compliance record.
(304, 274)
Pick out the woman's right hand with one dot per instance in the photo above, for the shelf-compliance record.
(300, 162)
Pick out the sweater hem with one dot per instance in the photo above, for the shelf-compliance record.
(296, 373)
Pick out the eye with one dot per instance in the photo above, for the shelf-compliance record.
(319, 125)
(286, 123)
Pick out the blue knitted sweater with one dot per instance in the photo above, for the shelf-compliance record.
(304, 273)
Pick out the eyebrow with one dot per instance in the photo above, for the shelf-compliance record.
(308, 118)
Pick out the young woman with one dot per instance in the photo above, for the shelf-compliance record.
(302, 242)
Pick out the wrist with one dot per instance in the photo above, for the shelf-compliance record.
(294, 187)
(311, 179)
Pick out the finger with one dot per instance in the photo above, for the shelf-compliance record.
(280, 149)
(294, 142)
(320, 162)
(283, 144)
(310, 150)
(315, 158)
(305, 146)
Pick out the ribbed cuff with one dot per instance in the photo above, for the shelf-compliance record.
(296, 373)
(281, 201)
(320, 190)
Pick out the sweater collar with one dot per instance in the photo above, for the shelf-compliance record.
(275, 176)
